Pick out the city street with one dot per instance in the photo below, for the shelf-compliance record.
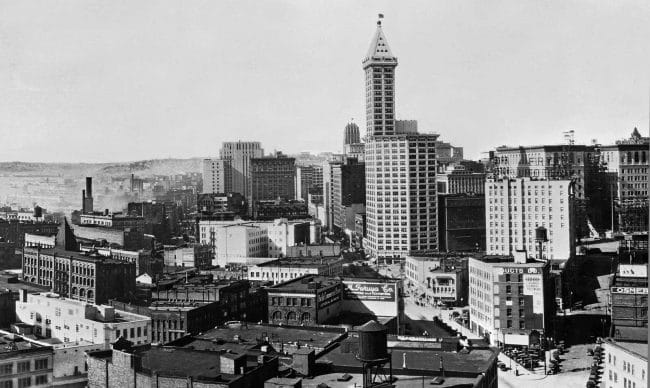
(575, 358)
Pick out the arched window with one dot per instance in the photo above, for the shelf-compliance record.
(74, 290)
(82, 292)
(636, 157)
(90, 294)
(291, 316)
(277, 316)
(305, 317)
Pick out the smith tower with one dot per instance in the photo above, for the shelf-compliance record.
(401, 198)
(379, 66)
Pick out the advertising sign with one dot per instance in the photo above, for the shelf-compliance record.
(632, 271)
(369, 291)
(533, 286)
(518, 270)
(630, 290)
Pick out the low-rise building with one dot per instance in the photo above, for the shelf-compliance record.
(284, 269)
(188, 255)
(629, 303)
(314, 299)
(75, 321)
(511, 300)
(24, 363)
(625, 364)
(87, 277)
(437, 281)
(148, 366)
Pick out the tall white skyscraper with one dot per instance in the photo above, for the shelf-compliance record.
(239, 155)
(515, 208)
(216, 176)
(401, 198)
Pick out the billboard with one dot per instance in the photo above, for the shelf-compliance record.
(369, 291)
(630, 290)
(632, 271)
(534, 286)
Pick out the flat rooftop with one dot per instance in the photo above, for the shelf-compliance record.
(303, 283)
(424, 359)
(501, 259)
(20, 285)
(403, 381)
(639, 348)
(305, 261)
(249, 334)
(15, 343)
(86, 256)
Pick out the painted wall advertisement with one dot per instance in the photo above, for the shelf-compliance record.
(369, 291)
(533, 285)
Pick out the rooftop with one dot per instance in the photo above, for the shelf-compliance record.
(251, 334)
(85, 256)
(15, 343)
(306, 282)
(500, 259)
(403, 381)
(301, 262)
(638, 348)
(422, 360)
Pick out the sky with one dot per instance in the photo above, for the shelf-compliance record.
(123, 80)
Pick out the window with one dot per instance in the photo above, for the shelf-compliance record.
(40, 364)
(24, 366)
(6, 384)
(25, 382)
(6, 369)
(42, 379)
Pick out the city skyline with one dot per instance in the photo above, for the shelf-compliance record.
(81, 79)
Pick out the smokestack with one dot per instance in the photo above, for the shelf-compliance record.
(89, 187)
(83, 201)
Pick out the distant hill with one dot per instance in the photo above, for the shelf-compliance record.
(143, 168)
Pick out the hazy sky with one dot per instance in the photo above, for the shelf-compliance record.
(128, 80)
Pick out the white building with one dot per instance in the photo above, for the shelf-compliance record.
(282, 270)
(39, 240)
(238, 155)
(75, 321)
(625, 364)
(216, 176)
(401, 199)
(233, 239)
(509, 299)
(516, 207)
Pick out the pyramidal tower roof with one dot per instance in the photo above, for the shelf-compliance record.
(379, 50)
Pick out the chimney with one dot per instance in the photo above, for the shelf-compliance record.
(83, 201)
(89, 187)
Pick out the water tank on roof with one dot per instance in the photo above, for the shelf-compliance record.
(540, 234)
(38, 212)
(372, 341)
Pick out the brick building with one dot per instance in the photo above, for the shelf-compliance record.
(147, 366)
(629, 302)
(461, 222)
(24, 364)
(272, 178)
(349, 192)
(512, 300)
